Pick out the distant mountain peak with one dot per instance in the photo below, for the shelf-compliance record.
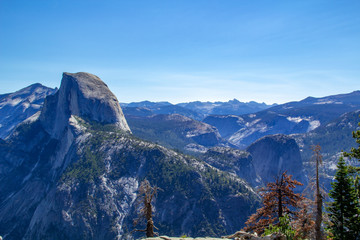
(84, 95)
(234, 101)
(17, 106)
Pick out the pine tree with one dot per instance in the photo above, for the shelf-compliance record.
(355, 152)
(344, 210)
(278, 199)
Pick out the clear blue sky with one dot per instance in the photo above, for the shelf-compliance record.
(179, 51)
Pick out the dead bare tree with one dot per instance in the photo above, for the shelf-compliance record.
(318, 197)
(146, 195)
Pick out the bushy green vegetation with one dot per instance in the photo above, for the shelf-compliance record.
(283, 227)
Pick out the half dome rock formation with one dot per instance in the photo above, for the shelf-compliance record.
(84, 95)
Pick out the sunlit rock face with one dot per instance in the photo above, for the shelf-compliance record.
(84, 95)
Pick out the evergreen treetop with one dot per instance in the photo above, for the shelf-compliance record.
(344, 210)
(355, 152)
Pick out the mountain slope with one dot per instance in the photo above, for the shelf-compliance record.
(147, 108)
(76, 176)
(20, 105)
(333, 138)
(288, 118)
(176, 131)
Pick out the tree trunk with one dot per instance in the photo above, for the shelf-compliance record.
(318, 219)
(280, 210)
(150, 223)
(150, 228)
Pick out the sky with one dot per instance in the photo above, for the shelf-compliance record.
(180, 51)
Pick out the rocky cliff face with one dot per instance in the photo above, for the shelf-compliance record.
(274, 154)
(20, 105)
(84, 95)
(74, 174)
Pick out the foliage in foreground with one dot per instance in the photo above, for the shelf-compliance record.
(284, 227)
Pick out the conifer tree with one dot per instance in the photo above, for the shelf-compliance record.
(344, 210)
(278, 199)
(355, 152)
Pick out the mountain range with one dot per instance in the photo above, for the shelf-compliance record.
(72, 172)
(195, 110)
(289, 118)
(72, 159)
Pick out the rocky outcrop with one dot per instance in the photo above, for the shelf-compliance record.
(275, 154)
(241, 235)
(84, 95)
(20, 105)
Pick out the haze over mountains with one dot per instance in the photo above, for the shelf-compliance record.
(196, 110)
(71, 159)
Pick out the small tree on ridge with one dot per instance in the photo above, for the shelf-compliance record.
(145, 197)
